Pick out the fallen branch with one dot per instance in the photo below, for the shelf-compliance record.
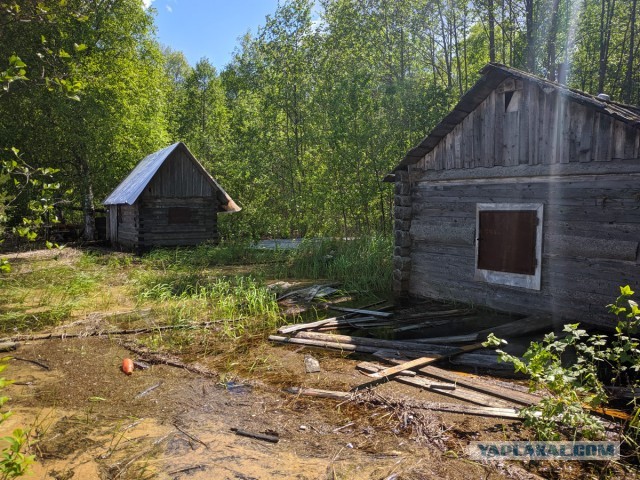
(257, 436)
(166, 359)
(148, 390)
(35, 362)
(134, 331)
(192, 437)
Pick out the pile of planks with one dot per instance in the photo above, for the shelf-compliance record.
(412, 361)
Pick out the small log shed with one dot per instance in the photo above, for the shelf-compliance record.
(525, 198)
(168, 199)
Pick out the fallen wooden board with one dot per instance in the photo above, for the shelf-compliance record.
(419, 362)
(316, 343)
(378, 342)
(510, 413)
(461, 393)
(416, 326)
(373, 313)
(369, 367)
(517, 328)
(333, 321)
(473, 383)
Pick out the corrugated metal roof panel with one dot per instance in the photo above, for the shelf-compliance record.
(131, 187)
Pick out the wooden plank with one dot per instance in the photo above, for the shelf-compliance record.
(316, 343)
(518, 328)
(447, 389)
(474, 383)
(369, 367)
(419, 362)
(333, 321)
(373, 313)
(378, 342)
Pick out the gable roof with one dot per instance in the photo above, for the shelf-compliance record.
(493, 74)
(131, 187)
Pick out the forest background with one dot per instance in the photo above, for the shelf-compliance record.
(300, 127)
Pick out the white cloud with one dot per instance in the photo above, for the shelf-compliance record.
(147, 3)
(169, 9)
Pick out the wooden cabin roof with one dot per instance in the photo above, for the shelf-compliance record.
(493, 75)
(131, 187)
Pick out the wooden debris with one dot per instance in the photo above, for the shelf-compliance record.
(419, 362)
(373, 313)
(472, 383)
(315, 392)
(166, 359)
(416, 326)
(8, 345)
(134, 331)
(186, 469)
(332, 322)
(192, 437)
(140, 365)
(369, 367)
(378, 342)
(460, 393)
(148, 390)
(258, 436)
(518, 328)
(336, 430)
(440, 313)
(347, 347)
(391, 371)
(496, 412)
(35, 362)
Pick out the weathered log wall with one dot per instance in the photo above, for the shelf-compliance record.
(582, 166)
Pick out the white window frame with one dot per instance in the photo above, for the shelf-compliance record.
(531, 282)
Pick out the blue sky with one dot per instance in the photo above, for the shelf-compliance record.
(208, 28)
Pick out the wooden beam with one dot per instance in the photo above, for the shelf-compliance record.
(477, 384)
(419, 362)
(373, 313)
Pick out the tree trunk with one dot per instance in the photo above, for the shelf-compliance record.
(492, 32)
(88, 208)
(550, 63)
(530, 37)
(628, 82)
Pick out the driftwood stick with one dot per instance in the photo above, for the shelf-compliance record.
(186, 469)
(192, 437)
(257, 436)
(148, 390)
(166, 359)
(35, 362)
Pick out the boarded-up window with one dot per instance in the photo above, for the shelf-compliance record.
(509, 244)
(179, 215)
(507, 241)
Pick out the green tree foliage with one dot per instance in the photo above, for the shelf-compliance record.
(117, 118)
(311, 113)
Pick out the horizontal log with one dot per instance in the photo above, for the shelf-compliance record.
(378, 342)
(510, 413)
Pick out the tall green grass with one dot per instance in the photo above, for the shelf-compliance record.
(207, 255)
(241, 304)
(362, 264)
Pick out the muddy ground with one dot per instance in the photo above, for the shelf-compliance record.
(88, 420)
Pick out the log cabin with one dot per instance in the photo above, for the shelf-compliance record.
(525, 198)
(167, 200)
